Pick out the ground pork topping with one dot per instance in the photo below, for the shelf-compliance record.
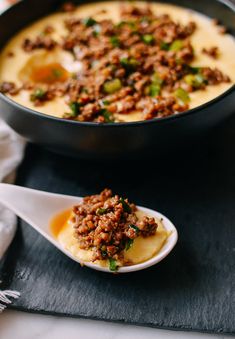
(107, 225)
(140, 64)
(212, 52)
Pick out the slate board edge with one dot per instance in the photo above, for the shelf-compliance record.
(183, 328)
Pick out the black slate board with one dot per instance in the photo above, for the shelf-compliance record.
(193, 289)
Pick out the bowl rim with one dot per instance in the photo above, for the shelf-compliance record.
(229, 4)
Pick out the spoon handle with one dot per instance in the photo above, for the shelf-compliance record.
(35, 207)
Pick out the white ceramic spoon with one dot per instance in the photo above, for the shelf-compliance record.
(38, 208)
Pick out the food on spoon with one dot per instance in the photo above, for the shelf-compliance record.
(115, 61)
(108, 230)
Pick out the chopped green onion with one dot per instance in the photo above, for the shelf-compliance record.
(104, 253)
(105, 102)
(121, 24)
(131, 24)
(56, 72)
(101, 211)
(84, 90)
(88, 22)
(129, 244)
(108, 117)
(164, 46)
(114, 41)
(130, 64)
(181, 94)
(194, 70)
(125, 205)
(75, 108)
(96, 30)
(189, 79)
(156, 79)
(145, 19)
(194, 80)
(179, 61)
(38, 94)
(199, 78)
(113, 265)
(176, 45)
(154, 90)
(147, 39)
(135, 228)
(112, 86)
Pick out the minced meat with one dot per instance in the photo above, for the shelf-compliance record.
(107, 224)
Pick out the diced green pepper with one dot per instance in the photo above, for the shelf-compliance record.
(148, 39)
(176, 45)
(182, 95)
(112, 86)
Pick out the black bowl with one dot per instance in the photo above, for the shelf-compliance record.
(120, 140)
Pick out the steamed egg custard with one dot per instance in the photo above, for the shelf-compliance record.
(109, 231)
(118, 62)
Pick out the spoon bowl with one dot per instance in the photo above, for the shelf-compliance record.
(38, 208)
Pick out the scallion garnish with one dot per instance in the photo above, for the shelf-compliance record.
(75, 108)
(88, 22)
(129, 244)
(96, 30)
(156, 79)
(114, 41)
(101, 211)
(108, 117)
(104, 253)
(148, 39)
(176, 45)
(57, 72)
(194, 70)
(112, 86)
(38, 94)
(182, 95)
(113, 265)
(194, 80)
(164, 46)
(135, 228)
(105, 102)
(125, 205)
(154, 90)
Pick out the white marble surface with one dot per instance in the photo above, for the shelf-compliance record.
(19, 325)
